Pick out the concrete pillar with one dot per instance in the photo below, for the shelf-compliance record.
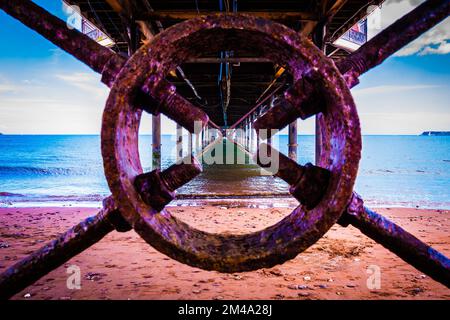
(319, 35)
(202, 140)
(197, 143)
(179, 142)
(247, 135)
(156, 142)
(318, 140)
(190, 144)
(292, 144)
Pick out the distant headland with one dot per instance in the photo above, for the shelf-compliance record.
(435, 133)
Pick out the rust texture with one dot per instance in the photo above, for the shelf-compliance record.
(325, 190)
(375, 226)
(56, 252)
(396, 239)
(174, 106)
(371, 54)
(157, 188)
(87, 233)
(308, 183)
(302, 100)
(393, 38)
(228, 252)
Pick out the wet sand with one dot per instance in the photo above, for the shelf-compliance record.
(123, 266)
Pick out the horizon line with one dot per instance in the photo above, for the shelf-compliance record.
(174, 134)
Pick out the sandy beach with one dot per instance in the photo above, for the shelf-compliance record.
(123, 266)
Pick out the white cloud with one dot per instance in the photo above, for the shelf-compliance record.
(434, 41)
(6, 88)
(88, 82)
(384, 89)
(443, 48)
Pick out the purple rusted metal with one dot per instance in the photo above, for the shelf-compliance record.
(228, 253)
(302, 100)
(307, 100)
(393, 38)
(157, 188)
(138, 84)
(396, 239)
(388, 234)
(91, 230)
(171, 104)
(60, 250)
(308, 183)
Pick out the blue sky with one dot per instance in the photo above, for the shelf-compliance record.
(44, 90)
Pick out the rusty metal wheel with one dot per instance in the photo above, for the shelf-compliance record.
(148, 67)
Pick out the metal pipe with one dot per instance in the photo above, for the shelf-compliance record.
(368, 56)
(99, 58)
(186, 15)
(396, 239)
(55, 253)
(393, 38)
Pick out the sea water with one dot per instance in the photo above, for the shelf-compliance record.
(405, 171)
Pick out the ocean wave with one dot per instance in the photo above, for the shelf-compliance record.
(35, 171)
(7, 196)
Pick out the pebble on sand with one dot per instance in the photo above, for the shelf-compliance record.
(302, 287)
(303, 294)
(4, 245)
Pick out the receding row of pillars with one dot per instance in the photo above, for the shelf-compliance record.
(246, 136)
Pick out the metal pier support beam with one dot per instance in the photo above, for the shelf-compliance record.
(156, 142)
(393, 38)
(397, 240)
(99, 58)
(292, 144)
(62, 249)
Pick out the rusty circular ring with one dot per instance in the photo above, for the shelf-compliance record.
(224, 252)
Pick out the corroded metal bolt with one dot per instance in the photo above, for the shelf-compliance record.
(301, 100)
(308, 183)
(157, 188)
